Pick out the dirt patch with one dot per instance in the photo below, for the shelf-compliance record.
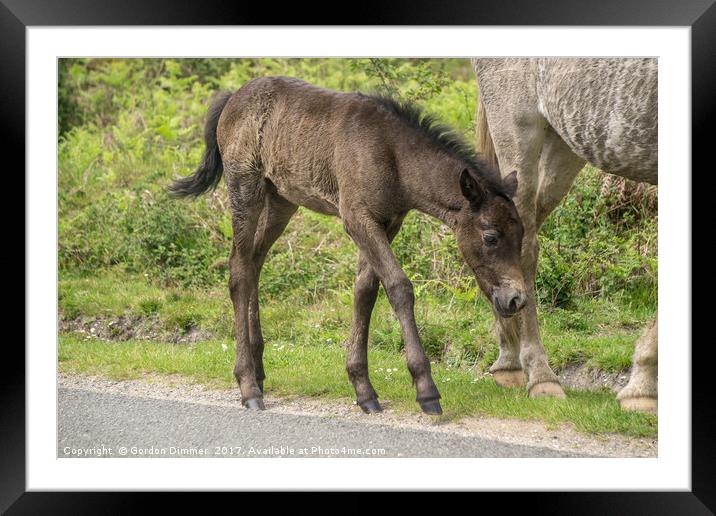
(581, 377)
(131, 328)
(530, 433)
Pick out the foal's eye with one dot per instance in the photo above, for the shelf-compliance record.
(490, 239)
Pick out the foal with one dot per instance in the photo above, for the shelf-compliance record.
(283, 143)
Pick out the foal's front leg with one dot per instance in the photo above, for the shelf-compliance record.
(365, 294)
(374, 244)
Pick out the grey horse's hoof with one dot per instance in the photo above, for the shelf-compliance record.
(255, 404)
(547, 390)
(371, 407)
(431, 408)
(640, 404)
(509, 378)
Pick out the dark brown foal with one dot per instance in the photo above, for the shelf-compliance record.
(282, 143)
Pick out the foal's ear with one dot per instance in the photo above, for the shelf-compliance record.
(471, 189)
(510, 184)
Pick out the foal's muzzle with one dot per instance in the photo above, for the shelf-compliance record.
(508, 301)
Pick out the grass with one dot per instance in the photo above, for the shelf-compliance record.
(317, 371)
(304, 355)
(456, 330)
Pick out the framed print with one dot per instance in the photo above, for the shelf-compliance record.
(131, 381)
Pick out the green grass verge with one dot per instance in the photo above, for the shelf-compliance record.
(454, 329)
(317, 371)
(304, 355)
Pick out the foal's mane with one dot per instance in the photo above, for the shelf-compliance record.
(444, 138)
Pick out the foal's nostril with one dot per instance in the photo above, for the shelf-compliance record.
(517, 302)
(509, 302)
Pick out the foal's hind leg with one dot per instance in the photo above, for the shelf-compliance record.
(641, 391)
(275, 216)
(246, 194)
(366, 292)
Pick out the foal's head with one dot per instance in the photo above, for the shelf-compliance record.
(489, 235)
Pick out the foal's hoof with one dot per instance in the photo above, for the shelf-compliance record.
(547, 390)
(514, 378)
(371, 407)
(255, 404)
(431, 408)
(640, 404)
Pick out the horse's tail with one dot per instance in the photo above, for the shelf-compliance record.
(208, 175)
(485, 146)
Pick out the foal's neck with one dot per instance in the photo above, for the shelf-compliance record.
(431, 182)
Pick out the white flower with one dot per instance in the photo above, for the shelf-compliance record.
(224, 347)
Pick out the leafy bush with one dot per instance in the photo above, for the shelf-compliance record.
(154, 236)
(585, 252)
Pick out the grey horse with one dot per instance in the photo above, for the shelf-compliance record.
(546, 118)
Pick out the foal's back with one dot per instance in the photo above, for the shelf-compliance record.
(307, 141)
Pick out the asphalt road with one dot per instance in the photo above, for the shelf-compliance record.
(95, 424)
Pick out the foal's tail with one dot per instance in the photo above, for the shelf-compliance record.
(208, 174)
(485, 146)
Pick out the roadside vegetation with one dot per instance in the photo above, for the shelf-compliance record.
(128, 253)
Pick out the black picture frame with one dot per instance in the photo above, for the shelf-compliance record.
(699, 15)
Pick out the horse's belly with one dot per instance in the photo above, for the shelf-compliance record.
(303, 190)
(614, 142)
(605, 110)
(314, 203)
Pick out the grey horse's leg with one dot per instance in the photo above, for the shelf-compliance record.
(276, 214)
(507, 369)
(558, 168)
(641, 391)
(520, 149)
(373, 242)
(543, 183)
(246, 195)
(366, 292)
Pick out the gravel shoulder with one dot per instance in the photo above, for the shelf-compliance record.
(562, 441)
